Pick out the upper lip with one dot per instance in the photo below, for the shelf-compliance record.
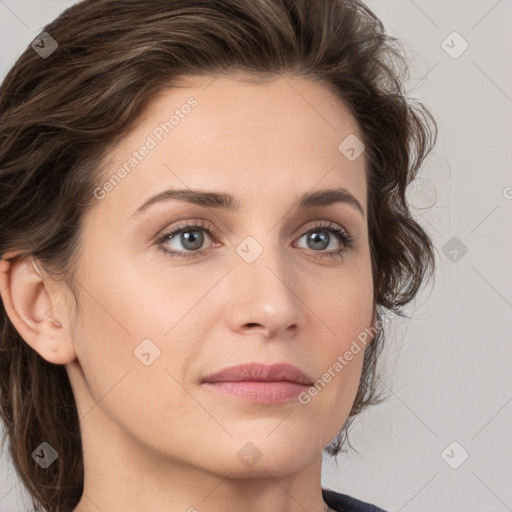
(260, 372)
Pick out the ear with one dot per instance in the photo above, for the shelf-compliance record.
(374, 319)
(373, 328)
(30, 300)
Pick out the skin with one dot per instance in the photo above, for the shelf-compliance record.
(154, 438)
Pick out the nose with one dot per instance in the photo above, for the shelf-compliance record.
(264, 298)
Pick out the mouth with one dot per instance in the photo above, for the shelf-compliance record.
(260, 383)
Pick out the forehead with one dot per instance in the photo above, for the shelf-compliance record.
(216, 133)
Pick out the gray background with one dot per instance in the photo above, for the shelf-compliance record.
(446, 371)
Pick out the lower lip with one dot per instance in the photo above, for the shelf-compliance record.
(258, 391)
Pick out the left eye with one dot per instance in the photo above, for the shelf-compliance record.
(321, 238)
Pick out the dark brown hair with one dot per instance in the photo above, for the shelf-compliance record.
(60, 116)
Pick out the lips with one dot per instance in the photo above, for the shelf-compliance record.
(257, 372)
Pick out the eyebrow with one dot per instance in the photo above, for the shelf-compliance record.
(227, 201)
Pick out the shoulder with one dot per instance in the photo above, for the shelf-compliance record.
(345, 503)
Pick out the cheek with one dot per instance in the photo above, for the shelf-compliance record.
(131, 318)
(345, 304)
(114, 342)
(345, 319)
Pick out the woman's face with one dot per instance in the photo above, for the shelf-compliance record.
(251, 284)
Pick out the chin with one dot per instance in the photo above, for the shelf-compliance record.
(258, 454)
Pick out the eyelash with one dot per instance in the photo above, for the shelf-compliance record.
(342, 235)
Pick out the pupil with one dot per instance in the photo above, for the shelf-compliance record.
(322, 238)
(195, 238)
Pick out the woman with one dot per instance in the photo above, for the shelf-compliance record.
(172, 338)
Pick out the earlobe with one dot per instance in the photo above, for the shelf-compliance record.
(29, 300)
